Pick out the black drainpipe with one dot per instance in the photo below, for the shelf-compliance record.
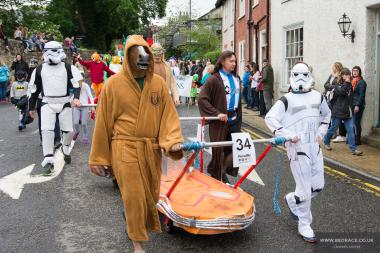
(268, 27)
(235, 11)
(250, 24)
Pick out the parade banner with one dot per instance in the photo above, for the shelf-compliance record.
(184, 85)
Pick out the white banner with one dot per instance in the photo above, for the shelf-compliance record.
(184, 85)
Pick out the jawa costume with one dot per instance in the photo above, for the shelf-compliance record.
(163, 70)
(135, 120)
(221, 94)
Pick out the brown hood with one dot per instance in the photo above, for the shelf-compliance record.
(137, 40)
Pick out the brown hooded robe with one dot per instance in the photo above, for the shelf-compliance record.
(131, 128)
(211, 102)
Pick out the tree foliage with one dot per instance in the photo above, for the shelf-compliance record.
(200, 42)
(99, 21)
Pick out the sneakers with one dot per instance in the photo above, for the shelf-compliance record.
(339, 139)
(313, 239)
(327, 147)
(21, 127)
(357, 152)
(307, 233)
(48, 170)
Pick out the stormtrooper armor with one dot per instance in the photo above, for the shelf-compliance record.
(53, 80)
(302, 115)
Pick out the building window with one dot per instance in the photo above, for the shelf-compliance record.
(255, 3)
(294, 50)
(263, 47)
(241, 57)
(241, 8)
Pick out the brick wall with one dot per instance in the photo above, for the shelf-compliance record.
(258, 13)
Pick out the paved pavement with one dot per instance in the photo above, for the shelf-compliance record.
(78, 212)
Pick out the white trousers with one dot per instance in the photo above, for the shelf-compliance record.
(48, 118)
(306, 163)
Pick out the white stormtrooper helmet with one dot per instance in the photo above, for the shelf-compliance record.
(301, 79)
(53, 53)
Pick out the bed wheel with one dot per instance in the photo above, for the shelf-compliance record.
(169, 227)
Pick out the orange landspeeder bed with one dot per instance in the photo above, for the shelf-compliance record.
(199, 204)
(202, 205)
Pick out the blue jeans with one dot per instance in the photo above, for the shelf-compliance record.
(3, 90)
(253, 101)
(245, 95)
(348, 124)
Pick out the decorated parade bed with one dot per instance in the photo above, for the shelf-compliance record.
(200, 204)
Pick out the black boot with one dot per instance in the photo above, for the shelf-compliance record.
(66, 158)
(225, 179)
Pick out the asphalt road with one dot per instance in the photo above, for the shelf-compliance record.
(79, 212)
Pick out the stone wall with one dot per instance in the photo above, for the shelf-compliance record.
(16, 47)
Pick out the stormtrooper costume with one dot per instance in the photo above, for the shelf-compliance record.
(53, 80)
(302, 116)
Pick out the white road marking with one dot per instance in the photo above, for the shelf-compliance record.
(14, 183)
(35, 132)
(253, 176)
(1, 155)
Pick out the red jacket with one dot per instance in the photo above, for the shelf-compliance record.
(96, 70)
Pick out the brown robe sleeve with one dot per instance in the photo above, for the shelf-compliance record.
(101, 141)
(205, 98)
(170, 127)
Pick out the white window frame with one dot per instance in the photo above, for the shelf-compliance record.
(262, 37)
(241, 57)
(296, 54)
(254, 47)
(255, 3)
(241, 9)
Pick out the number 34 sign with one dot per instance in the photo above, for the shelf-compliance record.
(243, 150)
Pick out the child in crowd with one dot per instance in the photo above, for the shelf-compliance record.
(81, 114)
(193, 92)
(19, 97)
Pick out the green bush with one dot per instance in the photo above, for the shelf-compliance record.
(47, 27)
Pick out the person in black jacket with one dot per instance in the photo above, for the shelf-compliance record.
(341, 110)
(19, 65)
(359, 87)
